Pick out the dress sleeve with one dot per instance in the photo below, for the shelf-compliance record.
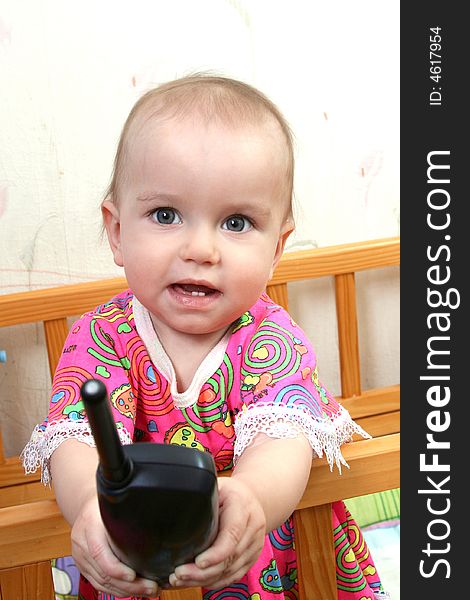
(95, 349)
(282, 395)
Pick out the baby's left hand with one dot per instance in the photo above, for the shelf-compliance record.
(239, 541)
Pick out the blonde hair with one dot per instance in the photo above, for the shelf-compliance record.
(212, 98)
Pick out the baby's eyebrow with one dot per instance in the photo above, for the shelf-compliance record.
(252, 208)
(156, 197)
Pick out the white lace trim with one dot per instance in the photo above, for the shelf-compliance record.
(38, 451)
(281, 421)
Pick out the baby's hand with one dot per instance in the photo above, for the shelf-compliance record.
(97, 562)
(240, 539)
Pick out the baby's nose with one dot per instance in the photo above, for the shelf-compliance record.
(200, 246)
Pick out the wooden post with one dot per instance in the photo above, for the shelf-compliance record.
(30, 581)
(278, 293)
(56, 331)
(315, 553)
(187, 594)
(347, 335)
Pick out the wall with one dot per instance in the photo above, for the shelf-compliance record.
(69, 73)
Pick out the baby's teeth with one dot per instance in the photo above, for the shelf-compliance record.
(198, 294)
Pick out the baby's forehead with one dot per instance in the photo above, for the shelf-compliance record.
(153, 132)
(151, 121)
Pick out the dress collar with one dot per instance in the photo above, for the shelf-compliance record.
(162, 362)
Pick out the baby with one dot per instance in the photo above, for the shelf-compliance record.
(195, 353)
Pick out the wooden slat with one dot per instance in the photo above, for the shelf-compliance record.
(278, 293)
(347, 334)
(187, 594)
(56, 331)
(315, 553)
(373, 402)
(32, 533)
(12, 473)
(24, 583)
(24, 493)
(57, 303)
(379, 425)
(374, 467)
(35, 581)
(335, 260)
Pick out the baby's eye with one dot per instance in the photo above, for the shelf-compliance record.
(237, 223)
(166, 216)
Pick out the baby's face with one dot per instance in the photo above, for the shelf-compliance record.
(200, 222)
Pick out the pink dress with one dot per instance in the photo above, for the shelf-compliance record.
(261, 377)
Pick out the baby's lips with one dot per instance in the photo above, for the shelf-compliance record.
(194, 289)
(189, 287)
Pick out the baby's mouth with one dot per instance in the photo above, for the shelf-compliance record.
(189, 289)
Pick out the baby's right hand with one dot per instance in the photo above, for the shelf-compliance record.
(97, 562)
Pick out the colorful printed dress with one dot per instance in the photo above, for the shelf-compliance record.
(261, 377)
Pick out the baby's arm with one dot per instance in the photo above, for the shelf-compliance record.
(276, 470)
(265, 487)
(73, 467)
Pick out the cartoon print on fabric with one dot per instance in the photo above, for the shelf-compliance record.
(275, 354)
(181, 434)
(104, 345)
(268, 363)
(211, 414)
(268, 359)
(75, 412)
(66, 577)
(211, 410)
(246, 319)
(355, 570)
(122, 398)
(282, 538)
(65, 397)
(153, 390)
(273, 582)
(320, 389)
(236, 591)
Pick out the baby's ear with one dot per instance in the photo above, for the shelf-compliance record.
(287, 228)
(112, 223)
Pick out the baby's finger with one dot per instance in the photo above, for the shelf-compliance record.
(232, 528)
(190, 575)
(106, 561)
(106, 572)
(215, 576)
(108, 588)
(193, 572)
(121, 589)
(90, 546)
(243, 557)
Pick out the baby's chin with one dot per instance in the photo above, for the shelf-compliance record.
(206, 331)
(195, 327)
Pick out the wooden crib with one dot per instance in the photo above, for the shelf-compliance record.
(32, 529)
